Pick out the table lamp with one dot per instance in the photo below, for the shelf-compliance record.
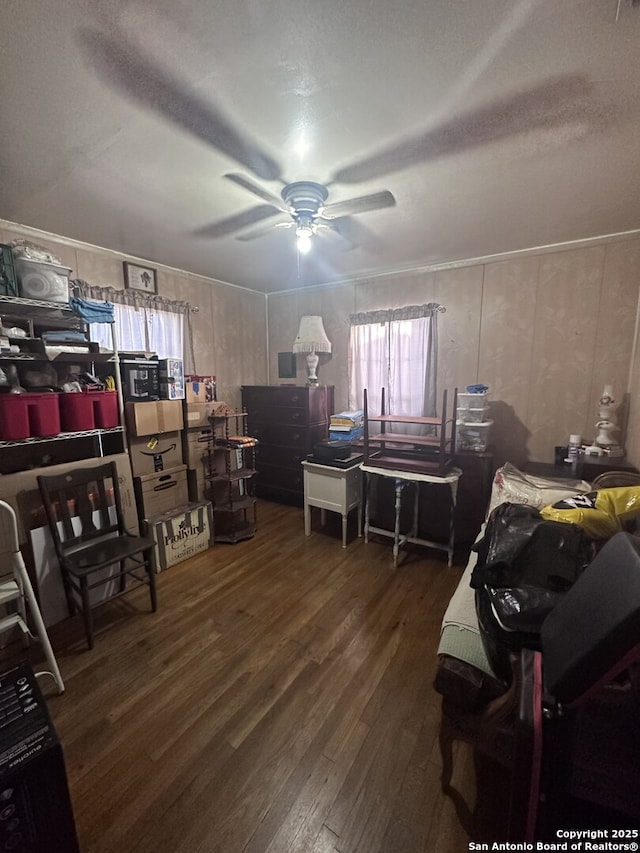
(312, 339)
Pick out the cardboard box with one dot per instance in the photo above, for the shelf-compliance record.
(195, 445)
(21, 491)
(171, 379)
(195, 392)
(158, 493)
(153, 453)
(197, 486)
(181, 533)
(154, 416)
(209, 383)
(196, 415)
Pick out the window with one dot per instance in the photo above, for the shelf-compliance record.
(143, 329)
(142, 323)
(395, 350)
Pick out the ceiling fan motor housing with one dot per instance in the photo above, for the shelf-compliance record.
(305, 198)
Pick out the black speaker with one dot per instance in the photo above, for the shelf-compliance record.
(35, 807)
(287, 365)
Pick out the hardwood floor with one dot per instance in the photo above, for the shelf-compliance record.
(279, 700)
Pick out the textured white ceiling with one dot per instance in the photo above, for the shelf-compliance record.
(498, 125)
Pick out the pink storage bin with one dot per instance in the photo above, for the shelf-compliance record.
(29, 416)
(93, 410)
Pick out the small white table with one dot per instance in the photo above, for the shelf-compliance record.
(402, 479)
(335, 489)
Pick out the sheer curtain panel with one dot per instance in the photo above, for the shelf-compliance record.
(396, 350)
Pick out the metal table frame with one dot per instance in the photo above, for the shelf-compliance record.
(403, 479)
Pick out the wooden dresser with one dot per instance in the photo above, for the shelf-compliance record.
(287, 420)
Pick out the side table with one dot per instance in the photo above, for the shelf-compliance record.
(403, 479)
(334, 489)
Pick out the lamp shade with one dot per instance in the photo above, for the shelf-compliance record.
(311, 336)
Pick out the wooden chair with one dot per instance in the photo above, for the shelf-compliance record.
(94, 548)
(16, 593)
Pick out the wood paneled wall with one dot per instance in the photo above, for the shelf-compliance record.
(544, 331)
(229, 329)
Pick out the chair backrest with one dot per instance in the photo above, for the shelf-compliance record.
(616, 479)
(594, 631)
(82, 505)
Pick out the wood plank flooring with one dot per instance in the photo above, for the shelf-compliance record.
(280, 699)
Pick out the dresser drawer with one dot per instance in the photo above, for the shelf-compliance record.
(272, 454)
(281, 478)
(277, 415)
(271, 401)
(301, 437)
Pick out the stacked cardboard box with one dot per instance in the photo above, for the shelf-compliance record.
(155, 448)
(199, 404)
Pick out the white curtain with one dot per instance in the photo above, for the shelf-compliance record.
(166, 333)
(143, 323)
(395, 350)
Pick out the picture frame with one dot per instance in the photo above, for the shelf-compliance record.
(138, 277)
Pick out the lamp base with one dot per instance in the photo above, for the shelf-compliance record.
(312, 367)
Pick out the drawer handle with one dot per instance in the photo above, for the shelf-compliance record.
(295, 398)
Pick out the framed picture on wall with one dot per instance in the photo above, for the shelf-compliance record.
(137, 277)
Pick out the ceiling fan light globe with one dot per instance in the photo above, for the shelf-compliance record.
(304, 240)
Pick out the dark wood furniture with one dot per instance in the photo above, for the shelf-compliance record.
(287, 420)
(231, 479)
(94, 548)
(588, 468)
(399, 446)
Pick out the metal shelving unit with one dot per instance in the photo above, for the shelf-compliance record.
(34, 316)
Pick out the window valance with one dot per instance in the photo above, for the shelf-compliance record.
(134, 298)
(409, 312)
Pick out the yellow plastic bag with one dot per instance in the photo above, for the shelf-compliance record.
(601, 514)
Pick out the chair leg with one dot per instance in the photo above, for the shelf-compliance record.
(66, 583)
(86, 611)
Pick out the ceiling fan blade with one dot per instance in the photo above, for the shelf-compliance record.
(260, 232)
(375, 201)
(237, 222)
(124, 66)
(355, 233)
(248, 184)
(326, 231)
(556, 102)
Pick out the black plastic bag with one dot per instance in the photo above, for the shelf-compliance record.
(525, 565)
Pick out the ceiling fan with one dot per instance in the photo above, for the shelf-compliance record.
(304, 203)
(126, 65)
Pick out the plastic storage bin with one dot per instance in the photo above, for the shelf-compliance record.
(92, 410)
(29, 416)
(473, 436)
(472, 415)
(40, 280)
(472, 401)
